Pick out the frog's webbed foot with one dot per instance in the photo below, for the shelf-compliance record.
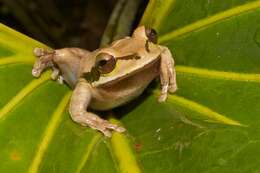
(45, 60)
(78, 105)
(167, 74)
(95, 122)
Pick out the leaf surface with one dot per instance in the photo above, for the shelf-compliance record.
(211, 124)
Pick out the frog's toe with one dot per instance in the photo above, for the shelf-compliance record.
(114, 127)
(38, 51)
(173, 88)
(36, 73)
(55, 75)
(107, 133)
(162, 97)
(120, 129)
(60, 80)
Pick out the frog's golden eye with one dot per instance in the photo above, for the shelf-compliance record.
(151, 34)
(105, 63)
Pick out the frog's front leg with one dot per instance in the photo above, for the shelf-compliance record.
(80, 100)
(64, 63)
(167, 74)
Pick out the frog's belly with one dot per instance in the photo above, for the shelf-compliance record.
(123, 91)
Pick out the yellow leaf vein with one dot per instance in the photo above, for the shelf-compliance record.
(210, 20)
(88, 151)
(17, 60)
(214, 74)
(48, 134)
(123, 152)
(22, 94)
(202, 110)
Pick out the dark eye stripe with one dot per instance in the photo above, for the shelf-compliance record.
(92, 76)
(147, 46)
(129, 57)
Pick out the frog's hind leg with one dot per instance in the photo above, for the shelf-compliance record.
(167, 74)
(80, 100)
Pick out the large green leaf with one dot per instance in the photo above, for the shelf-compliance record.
(211, 124)
(36, 132)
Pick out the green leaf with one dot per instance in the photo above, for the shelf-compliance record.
(36, 132)
(211, 124)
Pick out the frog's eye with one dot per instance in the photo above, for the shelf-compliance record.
(105, 63)
(151, 34)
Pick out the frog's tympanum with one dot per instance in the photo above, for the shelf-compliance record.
(111, 76)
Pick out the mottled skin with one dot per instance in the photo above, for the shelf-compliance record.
(138, 62)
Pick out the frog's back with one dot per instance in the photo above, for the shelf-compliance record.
(127, 45)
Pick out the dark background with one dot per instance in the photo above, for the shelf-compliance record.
(59, 23)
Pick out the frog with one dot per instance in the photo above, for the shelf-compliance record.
(110, 76)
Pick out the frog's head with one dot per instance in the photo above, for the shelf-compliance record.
(145, 33)
(108, 66)
(121, 60)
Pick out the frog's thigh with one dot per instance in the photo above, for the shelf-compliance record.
(80, 100)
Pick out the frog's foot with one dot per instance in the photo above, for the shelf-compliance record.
(164, 93)
(172, 88)
(55, 73)
(167, 75)
(44, 60)
(60, 79)
(93, 121)
(39, 52)
(172, 76)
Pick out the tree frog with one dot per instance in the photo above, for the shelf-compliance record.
(110, 76)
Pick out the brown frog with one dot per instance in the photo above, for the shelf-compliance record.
(111, 76)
